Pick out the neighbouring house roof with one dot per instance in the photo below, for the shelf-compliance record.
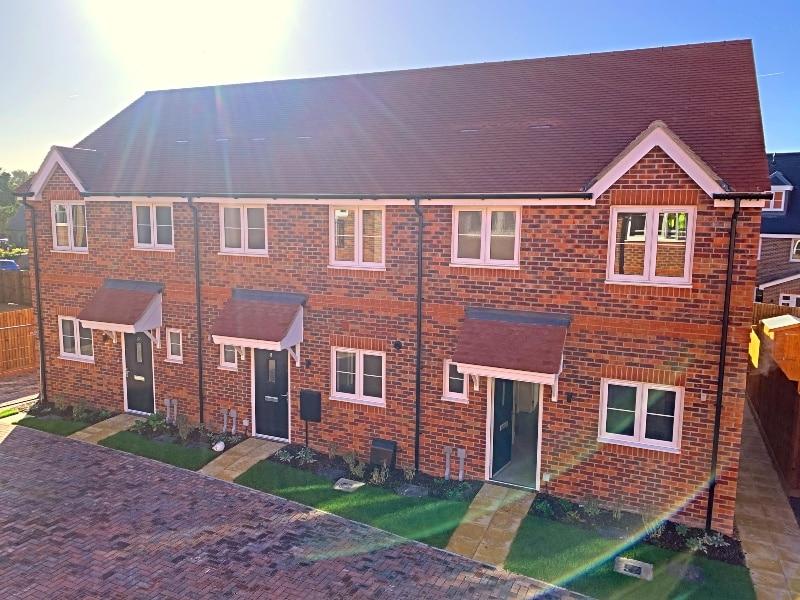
(509, 340)
(524, 126)
(125, 306)
(784, 168)
(260, 319)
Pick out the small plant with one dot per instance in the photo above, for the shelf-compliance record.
(102, 415)
(591, 505)
(657, 531)
(650, 518)
(380, 475)
(350, 459)
(284, 455)
(696, 543)
(79, 410)
(715, 539)
(184, 427)
(574, 517)
(542, 508)
(357, 470)
(616, 508)
(333, 450)
(682, 530)
(306, 456)
(409, 473)
(60, 402)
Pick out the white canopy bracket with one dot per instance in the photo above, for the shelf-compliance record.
(476, 382)
(155, 339)
(294, 352)
(111, 334)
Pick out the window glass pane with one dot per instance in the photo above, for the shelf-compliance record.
(271, 370)
(630, 243)
(68, 335)
(86, 340)
(175, 343)
(659, 428)
(503, 235)
(622, 397)
(795, 249)
(373, 376)
(777, 200)
(469, 234)
(79, 225)
(164, 225)
(620, 422)
(62, 228)
(345, 372)
(233, 227)
(256, 229)
(143, 233)
(228, 354)
(671, 245)
(661, 402)
(372, 240)
(344, 222)
(621, 409)
(455, 380)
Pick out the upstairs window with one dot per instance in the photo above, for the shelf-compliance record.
(244, 229)
(69, 226)
(75, 340)
(780, 196)
(651, 245)
(152, 226)
(357, 238)
(486, 237)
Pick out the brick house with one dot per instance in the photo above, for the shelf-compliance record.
(525, 261)
(778, 276)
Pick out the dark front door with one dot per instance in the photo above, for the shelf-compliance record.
(271, 372)
(503, 410)
(139, 372)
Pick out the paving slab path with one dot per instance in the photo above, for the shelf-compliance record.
(767, 528)
(232, 463)
(103, 429)
(84, 521)
(490, 524)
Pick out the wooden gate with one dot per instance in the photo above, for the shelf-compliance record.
(18, 348)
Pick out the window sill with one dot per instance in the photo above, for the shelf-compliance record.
(648, 283)
(228, 368)
(151, 249)
(642, 445)
(378, 403)
(70, 251)
(485, 266)
(455, 399)
(245, 254)
(75, 358)
(174, 361)
(357, 267)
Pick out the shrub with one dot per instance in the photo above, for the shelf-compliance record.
(306, 456)
(591, 505)
(184, 427)
(380, 475)
(408, 473)
(79, 410)
(682, 530)
(333, 450)
(357, 470)
(284, 455)
(542, 508)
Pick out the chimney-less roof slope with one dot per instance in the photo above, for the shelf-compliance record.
(539, 125)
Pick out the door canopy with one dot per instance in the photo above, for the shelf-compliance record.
(124, 306)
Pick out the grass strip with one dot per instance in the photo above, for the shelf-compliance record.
(580, 560)
(56, 426)
(428, 520)
(173, 454)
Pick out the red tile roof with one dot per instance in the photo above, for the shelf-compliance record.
(539, 125)
(510, 340)
(117, 305)
(255, 320)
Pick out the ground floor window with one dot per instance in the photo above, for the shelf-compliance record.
(640, 414)
(358, 376)
(455, 383)
(790, 300)
(228, 357)
(174, 345)
(75, 340)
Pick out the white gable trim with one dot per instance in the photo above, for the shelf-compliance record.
(658, 137)
(779, 281)
(49, 165)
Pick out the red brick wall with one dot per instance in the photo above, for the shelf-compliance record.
(655, 330)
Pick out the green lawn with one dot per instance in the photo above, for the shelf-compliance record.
(581, 561)
(56, 426)
(429, 520)
(173, 454)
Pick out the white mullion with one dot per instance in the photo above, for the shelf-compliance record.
(244, 225)
(70, 233)
(641, 410)
(359, 374)
(651, 242)
(486, 234)
(153, 225)
(359, 237)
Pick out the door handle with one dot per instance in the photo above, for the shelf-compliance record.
(284, 396)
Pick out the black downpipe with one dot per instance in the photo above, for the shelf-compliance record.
(723, 351)
(42, 372)
(418, 383)
(199, 315)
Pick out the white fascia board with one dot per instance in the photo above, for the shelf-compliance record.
(53, 159)
(728, 203)
(779, 281)
(533, 200)
(658, 137)
(138, 199)
(780, 236)
(117, 327)
(498, 373)
(223, 340)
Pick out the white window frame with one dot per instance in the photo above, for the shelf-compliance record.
(154, 245)
(174, 358)
(358, 397)
(651, 240)
(243, 249)
(453, 396)
(486, 234)
(639, 440)
(228, 366)
(769, 205)
(795, 244)
(77, 355)
(70, 247)
(789, 300)
(358, 262)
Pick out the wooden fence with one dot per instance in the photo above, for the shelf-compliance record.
(15, 287)
(18, 347)
(766, 311)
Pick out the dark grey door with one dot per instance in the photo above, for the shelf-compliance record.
(271, 371)
(139, 372)
(503, 409)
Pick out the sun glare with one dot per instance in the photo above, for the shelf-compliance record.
(175, 43)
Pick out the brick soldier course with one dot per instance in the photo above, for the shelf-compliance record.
(83, 521)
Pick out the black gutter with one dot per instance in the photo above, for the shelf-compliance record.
(360, 196)
(42, 371)
(418, 382)
(723, 351)
(199, 313)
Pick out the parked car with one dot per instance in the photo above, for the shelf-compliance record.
(8, 265)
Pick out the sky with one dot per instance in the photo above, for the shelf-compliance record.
(70, 65)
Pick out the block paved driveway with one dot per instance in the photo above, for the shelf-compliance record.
(83, 521)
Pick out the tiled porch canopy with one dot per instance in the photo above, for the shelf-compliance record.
(510, 344)
(260, 319)
(124, 306)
